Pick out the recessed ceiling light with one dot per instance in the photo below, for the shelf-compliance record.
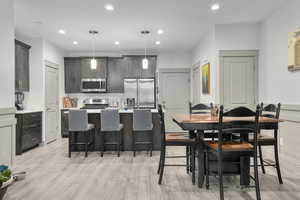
(215, 7)
(117, 42)
(75, 43)
(157, 42)
(109, 7)
(61, 31)
(160, 31)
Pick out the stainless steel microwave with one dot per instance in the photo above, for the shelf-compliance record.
(93, 85)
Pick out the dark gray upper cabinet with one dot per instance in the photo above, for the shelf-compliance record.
(135, 67)
(100, 72)
(72, 75)
(113, 69)
(116, 70)
(21, 66)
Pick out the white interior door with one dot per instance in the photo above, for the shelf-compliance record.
(175, 95)
(239, 85)
(52, 104)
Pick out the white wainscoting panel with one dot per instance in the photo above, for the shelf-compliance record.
(7, 136)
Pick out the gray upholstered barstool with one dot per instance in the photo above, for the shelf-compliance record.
(110, 123)
(78, 123)
(142, 121)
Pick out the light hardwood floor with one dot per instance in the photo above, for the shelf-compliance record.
(51, 175)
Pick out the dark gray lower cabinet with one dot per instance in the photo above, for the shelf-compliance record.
(127, 120)
(28, 131)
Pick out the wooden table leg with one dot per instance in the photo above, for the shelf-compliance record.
(245, 166)
(245, 170)
(200, 158)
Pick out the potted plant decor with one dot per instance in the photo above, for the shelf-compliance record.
(5, 180)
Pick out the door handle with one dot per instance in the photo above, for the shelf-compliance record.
(48, 109)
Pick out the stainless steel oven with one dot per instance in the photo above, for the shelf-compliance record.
(93, 85)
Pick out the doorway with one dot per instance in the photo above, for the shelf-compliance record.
(51, 104)
(239, 78)
(174, 94)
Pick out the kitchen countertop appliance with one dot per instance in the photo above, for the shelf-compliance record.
(19, 98)
(140, 92)
(95, 103)
(93, 85)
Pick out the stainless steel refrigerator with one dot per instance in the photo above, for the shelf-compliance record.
(141, 90)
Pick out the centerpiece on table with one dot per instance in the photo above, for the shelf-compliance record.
(6, 179)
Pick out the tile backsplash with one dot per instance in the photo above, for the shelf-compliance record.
(112, 98)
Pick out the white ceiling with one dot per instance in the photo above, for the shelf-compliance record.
(184, 21)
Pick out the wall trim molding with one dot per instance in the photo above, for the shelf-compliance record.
(170, 70)
(291, 107)
(7, 111)
(51, 64)
(236, 53)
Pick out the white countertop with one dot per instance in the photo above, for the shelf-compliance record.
(120, 111)
(28, 111)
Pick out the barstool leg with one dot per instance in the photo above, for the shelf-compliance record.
(151, 145)
(119, 143)
(70, 143)
(261, 159)
(133, 143)
(103, 143)
(86, 143)
(161, 172)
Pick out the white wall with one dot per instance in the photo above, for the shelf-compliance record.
(56, 55)
(205, 52)
(7, 54)
(239, 36)
(174, 60)
(34, 98)
(277, 84)
(7, 83)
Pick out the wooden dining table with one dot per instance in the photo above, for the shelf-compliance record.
(204, 122)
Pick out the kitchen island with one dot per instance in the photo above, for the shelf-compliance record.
(126, 118)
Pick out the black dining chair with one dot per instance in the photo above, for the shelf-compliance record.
(238, 147)
(174, 139)
(271, 111)
(200, 108)
(78, 124)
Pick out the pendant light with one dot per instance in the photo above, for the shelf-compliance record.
(93, 60)
(145, 62)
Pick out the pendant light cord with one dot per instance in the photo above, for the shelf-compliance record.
(93, 44)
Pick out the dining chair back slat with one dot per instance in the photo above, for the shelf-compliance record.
(200, 108)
